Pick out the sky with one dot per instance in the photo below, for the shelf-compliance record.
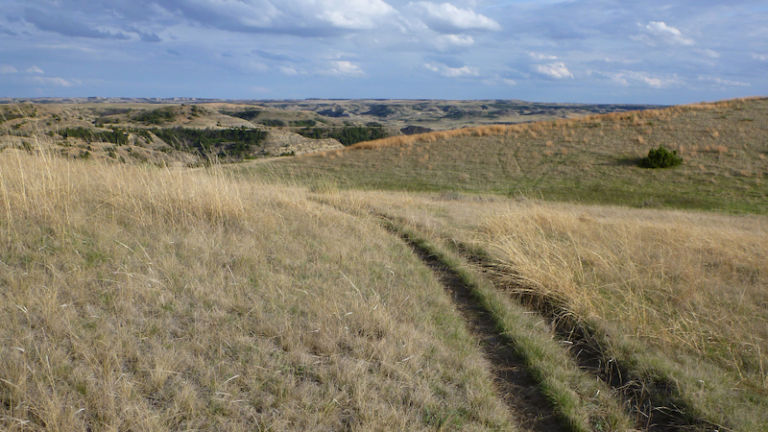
(595, 51)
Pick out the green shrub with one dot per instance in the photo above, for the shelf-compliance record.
(236, 143)
(272, 122)
(347, 135)
(247, 114)
(158, 116)
(661, 158)
(114, 136)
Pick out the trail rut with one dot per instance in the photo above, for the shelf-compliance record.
(530, 408)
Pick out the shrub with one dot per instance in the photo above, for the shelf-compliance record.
(661, 158)
(347, 135)
(158, 116)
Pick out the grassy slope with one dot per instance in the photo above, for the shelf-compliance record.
(146, 299)
(681, 294)
(724, 145)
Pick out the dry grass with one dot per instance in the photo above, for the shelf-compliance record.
(636, 118)
(145, 299)
(690, 287)
(684, 293)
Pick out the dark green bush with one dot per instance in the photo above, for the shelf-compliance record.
(347, 135)
(158, 116)
(661, 158)
(236, 143)
(114, 136)
(272, 122)
(247, 114)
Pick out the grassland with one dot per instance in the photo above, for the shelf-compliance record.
(679, 297)
(145, 299)
(391, 285)
(724, 147)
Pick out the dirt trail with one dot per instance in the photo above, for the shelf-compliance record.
(530, 408)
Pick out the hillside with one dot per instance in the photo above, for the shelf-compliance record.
(724, 147)
(192, 132)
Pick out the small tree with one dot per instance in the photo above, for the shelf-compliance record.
(661, 158)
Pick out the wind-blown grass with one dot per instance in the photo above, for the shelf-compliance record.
(136, 298)
(675, 295)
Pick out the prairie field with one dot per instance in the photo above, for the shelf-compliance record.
(591, 160)
(680, 296)
(135, 298)
(508, 277)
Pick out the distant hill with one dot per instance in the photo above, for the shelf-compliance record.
(167, 131)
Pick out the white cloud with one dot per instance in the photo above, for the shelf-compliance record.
(556, 70)
(452, 72)
(447, 18)
(540, 56)
(760, 57)
(351, 14)
(710, 53)
(55, 81)
(627, 78)
(455, 40)
(660, 31)
(7, 69)
(35, 70)
(344, 67)
(289, 70)
(723, 82)
(509, 82)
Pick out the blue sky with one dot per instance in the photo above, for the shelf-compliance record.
(569, 51)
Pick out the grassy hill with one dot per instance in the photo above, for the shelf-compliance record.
(193, 132)
(411, 283)
(593, 160)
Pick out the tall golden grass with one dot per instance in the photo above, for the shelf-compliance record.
(147, 299)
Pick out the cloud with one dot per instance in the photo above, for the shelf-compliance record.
(35, 70)
(64, 26)
(710, 53)
(447, 18)
(147, 36)
(54, 81)
(540, 56)
(661, 32)
(289, 70)
(455, 40)
(344, 68)
(297, 17)
(271, 56)
(8, 69)
(452, 72)
(556, 70)
(353, 14)
(722, 82)
(760, 57)
(628, 78)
